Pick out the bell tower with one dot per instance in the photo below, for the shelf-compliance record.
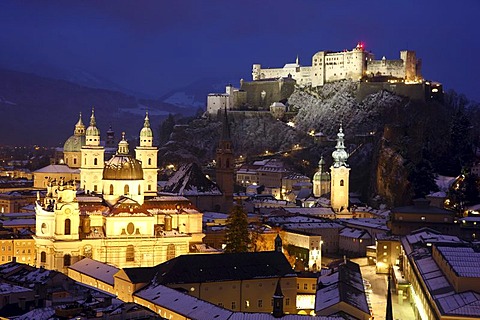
(147, 154)
(225, 164)
(340, 173)
(92, 159)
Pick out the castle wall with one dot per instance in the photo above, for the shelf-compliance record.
(391, 68)
(261, 94)
(417, 91)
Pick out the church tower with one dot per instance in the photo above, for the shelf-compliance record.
(339, 175)
(147, 154)
(92, 159)
(225, 164)
(321, 180)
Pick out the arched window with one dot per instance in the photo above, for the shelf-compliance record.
(341, 183)
(67, 226)
(227, 163)
(43, 257)
(130, 255)
(67, 260)
(139, 190)
(95, 161)
(111, 189)
(170, 251)
(74, 160)
(149, 161)
(126, 190)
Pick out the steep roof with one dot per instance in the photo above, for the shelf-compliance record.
(95, 269)
(343, 285)
(189, 180)
(221, 267)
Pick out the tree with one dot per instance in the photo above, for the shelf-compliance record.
(166, 128)
(236, 235)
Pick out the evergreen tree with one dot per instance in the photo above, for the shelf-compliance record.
(236, 235)
(422, 178)
(166, 128)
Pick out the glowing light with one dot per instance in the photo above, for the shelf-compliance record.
(418, 303)
(291, 124)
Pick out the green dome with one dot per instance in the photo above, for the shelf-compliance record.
(74, 144)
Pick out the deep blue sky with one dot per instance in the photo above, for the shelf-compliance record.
(156, 46)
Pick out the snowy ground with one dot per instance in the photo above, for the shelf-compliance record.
(378, 297)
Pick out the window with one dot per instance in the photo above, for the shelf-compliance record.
(287, 301)
(423, 218)
(220, 304)
(234, 305)
(130, 256)
(43, 257)
(247, 304)
(67, 226)
(149, 161)
(305, 286)
(139, 190)
(341, 183)
(67, 260)
(170, 251)
(95, 188)
(149, 187)
(111, 189)
(74, 160)
(314, 286)
(260, 303)
(126, 190)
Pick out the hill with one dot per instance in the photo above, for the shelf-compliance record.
(43, 111)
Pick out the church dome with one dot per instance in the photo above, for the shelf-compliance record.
(74, 144)
(122, 166)
(146, 131)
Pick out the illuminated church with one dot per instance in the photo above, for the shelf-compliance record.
(118, 218)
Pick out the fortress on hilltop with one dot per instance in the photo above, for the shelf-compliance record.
(356, 64)
(272, 85)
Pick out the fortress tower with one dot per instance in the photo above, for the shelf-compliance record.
(340, 173)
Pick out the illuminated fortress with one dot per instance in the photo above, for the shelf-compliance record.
(356, 64)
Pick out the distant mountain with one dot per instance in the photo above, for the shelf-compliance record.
(43, 111)
(195, 94)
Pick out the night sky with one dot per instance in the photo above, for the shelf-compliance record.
(155, 46)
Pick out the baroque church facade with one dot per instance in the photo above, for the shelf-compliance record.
(118, 218)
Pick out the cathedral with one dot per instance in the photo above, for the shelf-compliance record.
(116, 217)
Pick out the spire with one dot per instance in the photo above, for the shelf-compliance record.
(93, 123)
(225, 128)
(92, 129)
(297, 61)
(278, 301)
(340, 156)
(146, 124)
(123, 145)
(389, 310)
(79, 127)
(278, 243)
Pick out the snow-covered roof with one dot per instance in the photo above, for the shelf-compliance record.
(181, 303)
(95, 269)
(10, 288)
(343, 285)
(57, 168)
(463, 260)
(354, 233)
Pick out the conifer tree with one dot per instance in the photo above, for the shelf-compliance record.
(236, 235)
